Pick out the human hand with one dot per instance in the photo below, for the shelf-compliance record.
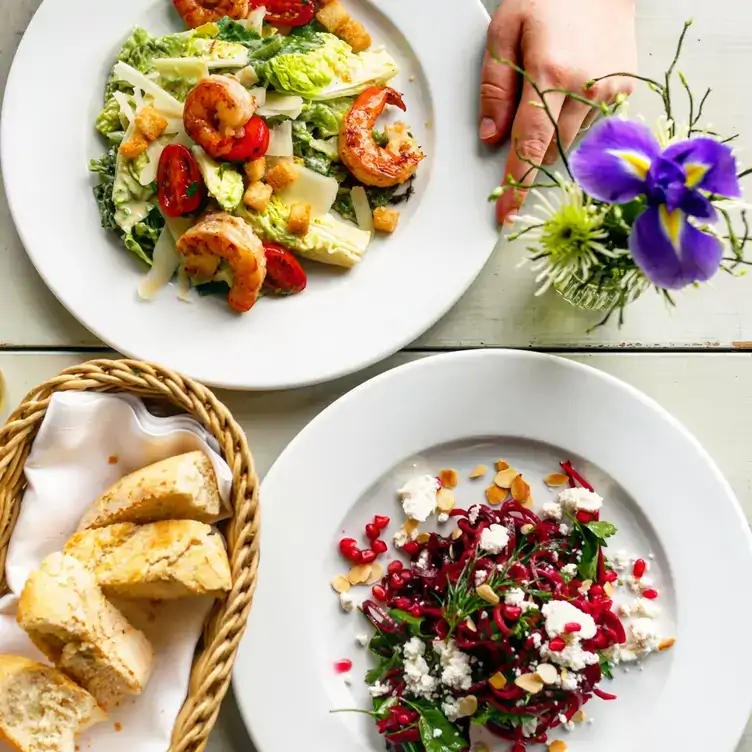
(560, 45)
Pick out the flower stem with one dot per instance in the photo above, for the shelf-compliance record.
(669, 73)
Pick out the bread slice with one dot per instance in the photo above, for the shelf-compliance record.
(178, 488)
(41, 709)
(159, 561)
(68, 618)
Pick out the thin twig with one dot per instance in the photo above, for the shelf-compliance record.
(623, 74)
(669, 73)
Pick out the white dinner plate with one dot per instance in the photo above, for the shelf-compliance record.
(343, 321)
(661, 489)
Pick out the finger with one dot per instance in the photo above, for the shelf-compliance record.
(591, 117)
(532, 132)
(572, 117)
(499, 83)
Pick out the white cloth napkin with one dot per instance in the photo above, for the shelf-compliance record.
(86, 443)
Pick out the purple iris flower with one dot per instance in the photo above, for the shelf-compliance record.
(620, 160)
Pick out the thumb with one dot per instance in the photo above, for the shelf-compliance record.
(499, 83)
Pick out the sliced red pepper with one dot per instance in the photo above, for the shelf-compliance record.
(284, 274)
(287, 12)
(254, 142)
(180, 187)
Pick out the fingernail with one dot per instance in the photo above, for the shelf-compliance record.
(487, 128)
(511, 216)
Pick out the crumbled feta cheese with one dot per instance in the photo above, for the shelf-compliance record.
(529, 727)
(639, 584)
(400, 538)
(418, 679)
(644, 634)
(456, 671)
(423, 559)
(451, 708)
(437, 732)
(442, 518)
(570, 570)
(573, 656)
(537, 640)
(377, 689)
(362, 640)
(514, 597)
(347, 602)
(621, 654)
(551, 511)
(418, 497)
(618, 561)
(645, 607)
(580, 499)
(494, 539)
(560, 613)
(480, 576)
(570, 681)
(472, 515)
(563, 529)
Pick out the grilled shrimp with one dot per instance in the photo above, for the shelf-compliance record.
(216, 109)
(221, 236)
(198, 12)
(372, 164)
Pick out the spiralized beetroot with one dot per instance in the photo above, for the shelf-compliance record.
(442, 572)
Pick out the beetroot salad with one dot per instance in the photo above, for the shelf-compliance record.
(508, 622)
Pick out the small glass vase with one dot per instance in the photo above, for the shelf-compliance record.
(589, 296)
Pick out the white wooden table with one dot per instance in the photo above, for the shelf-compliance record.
(693, 360)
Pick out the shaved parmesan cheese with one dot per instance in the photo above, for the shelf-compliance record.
(184, 285)
(125, 106)
(247, 76)
(363, 213)
(255, 20)
(280, 142)
(138, 96)
(163, 101)
(174, 125)
(154, 152)
(164, 264)
(178, 226)
(311, 188)
(259, 95)
(281, 104)
(182, 67)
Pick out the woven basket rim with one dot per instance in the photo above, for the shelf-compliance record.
(212, 667)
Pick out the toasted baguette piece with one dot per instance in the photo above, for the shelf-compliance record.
(160, 561)
(178, 488)
(41, 709)
(68, 618)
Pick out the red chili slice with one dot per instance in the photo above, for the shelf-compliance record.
(284, 274)
(287, 12)
(179, 184)
(254, 142)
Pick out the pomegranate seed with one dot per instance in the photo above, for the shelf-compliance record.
(402, 603)
(368, 556)
(411, 548)
(346, 545)
(372, 532)
(379, 546)
(572, 626)
(611, 576)
(406, 575)
(353, 554)
(395, 581)
(639, 568)
(584, 517)
(512, 612)
(402, 718)
(415, 610)
(379, 593)
(394, 566)
(557, 644)
(595, 590)
(651, 594)
(380, 521)
(343, 666)
(601, 641)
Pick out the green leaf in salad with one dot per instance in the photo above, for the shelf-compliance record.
(491, 714)
(431, 721)
(607, 667)
(108, 122)
(380, 137)
(105, 167)
(144, 235)
(601, 529)
(384, 666)
(376, 197)
(326, 118)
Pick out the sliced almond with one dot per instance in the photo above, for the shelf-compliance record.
(498, 680)
(467, 706)
(496, 495)
(505, 478)
(528, 503)
(547, 673)
(470, 624)
(410, 526)
(556, 479)
(445, 500)
(530, 683)
(583, 589)
(487, 594)
(448, 478)
(564, 674)
(520, 489)
(359, 573)
(501, 465)
(525, 529)
(667, 643)
(480, 747)
(608, 589)
(580, 716)
(557, 746)
(377, 572)
(423, 537)
(340, 584)
(479, 471)
(456, 533)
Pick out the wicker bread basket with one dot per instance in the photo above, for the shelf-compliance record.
(212, 666)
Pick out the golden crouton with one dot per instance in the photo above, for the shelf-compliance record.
(150, 123)
(355, 34)
(255, 169)
(281, 175)
(300, 219)
(385, 220)
(257, 196)
(135, 145)
(332, 16)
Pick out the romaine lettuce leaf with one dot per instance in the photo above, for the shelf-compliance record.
(326, 118)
